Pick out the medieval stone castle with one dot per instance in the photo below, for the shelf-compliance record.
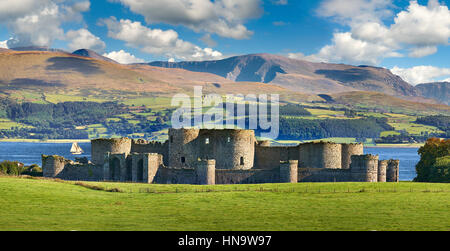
(200, 156)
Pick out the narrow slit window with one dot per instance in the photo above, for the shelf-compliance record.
(207, 141)
(183, 160)
(229, 139)
(242, 161)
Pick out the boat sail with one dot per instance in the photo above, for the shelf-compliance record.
(76, 149)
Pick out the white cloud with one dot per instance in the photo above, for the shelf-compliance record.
(18, 8)
(83, 39)
(345, 48)
(422, 25)
(301, 56)
(157, 41)
(123, 57)
(419, 29)
(355, 11)
(422, 51)
(39, 22)
(223, 17)
(4, 44)
(422, 74)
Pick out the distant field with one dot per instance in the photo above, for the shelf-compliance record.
(415, 129)
(59, 98)
(27, 204)
(8, 124)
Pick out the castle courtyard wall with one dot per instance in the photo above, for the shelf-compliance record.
(81, 172)
(267, 157)
(324, 175)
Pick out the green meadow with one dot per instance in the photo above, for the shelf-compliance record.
(39, 204)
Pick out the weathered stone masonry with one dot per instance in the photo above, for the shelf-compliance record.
(208, 157)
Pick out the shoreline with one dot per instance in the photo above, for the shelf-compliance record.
(396, 146)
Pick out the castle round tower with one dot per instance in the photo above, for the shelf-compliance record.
(100, 147)
(320, 155)
(232, 149)
(364, 168)
(382, 167)
(393, 171)
(348, 150)
(183, 150)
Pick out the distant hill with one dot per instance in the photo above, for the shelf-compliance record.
(300, 75)
(438, 90)
(92, 54)
(47, 71)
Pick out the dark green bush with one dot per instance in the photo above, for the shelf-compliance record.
(13, 168)
(33, 170)
(441, 170)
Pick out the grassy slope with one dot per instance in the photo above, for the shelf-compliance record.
(47, 205)
(389, 103)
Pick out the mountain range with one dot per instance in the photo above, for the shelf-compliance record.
(86, 73)
(437, 90)
(308, 77)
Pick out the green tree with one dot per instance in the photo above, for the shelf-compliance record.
(427, 169)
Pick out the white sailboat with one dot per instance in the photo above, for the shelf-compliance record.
(76, 149)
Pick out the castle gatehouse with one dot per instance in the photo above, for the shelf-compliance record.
(208, 157)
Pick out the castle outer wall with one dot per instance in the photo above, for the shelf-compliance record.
(208, 157)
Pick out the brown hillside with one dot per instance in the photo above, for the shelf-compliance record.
(42, 70)
(300, 75)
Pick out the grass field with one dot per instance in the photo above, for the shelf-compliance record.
(8, 124)
(30, 204)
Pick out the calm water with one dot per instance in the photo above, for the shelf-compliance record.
(30, 153)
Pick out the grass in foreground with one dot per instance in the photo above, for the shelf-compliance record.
(29, 204)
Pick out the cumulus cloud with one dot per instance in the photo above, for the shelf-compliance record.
(422, 51)
(123, 57)
(4, 44)
(156, 41)
(84, 39)
(345, 48)
(422, 74)
(223, 17)
(422, 25)
(355, 11)
(39, 22)
(416, 31)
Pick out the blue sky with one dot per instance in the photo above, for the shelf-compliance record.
(409, 37)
